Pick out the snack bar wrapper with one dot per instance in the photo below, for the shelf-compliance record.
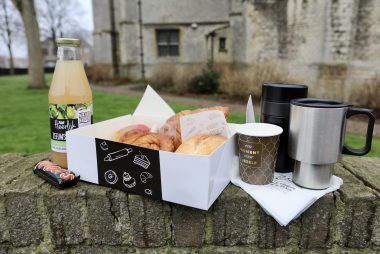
(55, 175)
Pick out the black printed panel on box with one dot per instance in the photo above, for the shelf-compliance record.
(129, 168)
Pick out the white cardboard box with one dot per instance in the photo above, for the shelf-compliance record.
(191, 180)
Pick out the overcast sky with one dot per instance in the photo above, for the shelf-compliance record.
(20, 51)
(87, 17)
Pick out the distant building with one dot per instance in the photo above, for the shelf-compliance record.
(50, 56)
(317, 41)
(4, 62)
(17, 62)
(48, 53)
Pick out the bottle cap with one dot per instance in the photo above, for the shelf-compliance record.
(68, 41)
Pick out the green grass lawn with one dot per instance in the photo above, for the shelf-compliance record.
(24, 119)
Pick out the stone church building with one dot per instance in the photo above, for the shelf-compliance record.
(325, 43)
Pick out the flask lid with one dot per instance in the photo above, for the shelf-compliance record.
(282, 92)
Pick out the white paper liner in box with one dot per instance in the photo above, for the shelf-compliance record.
(282, 199)
(211, 122)
(152, 104)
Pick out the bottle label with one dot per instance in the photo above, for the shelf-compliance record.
(65, 117)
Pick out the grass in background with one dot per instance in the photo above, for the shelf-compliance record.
(24, 118)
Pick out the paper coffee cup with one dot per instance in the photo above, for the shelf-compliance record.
(258, 146)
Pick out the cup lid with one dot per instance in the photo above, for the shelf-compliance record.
(319, 103)
(259, 129)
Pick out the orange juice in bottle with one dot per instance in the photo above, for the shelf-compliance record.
(70, 97)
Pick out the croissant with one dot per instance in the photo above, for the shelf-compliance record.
(130, 133)
(138, 135)
(174, 121)
(129, 137)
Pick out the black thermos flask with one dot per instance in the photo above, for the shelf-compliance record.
(275, 108)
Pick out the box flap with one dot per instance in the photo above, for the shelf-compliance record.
(221, 166)
(151, 104)
(81, 156)
(185, 179)
(215, 160)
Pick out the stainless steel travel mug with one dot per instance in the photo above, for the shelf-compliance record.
(316, 138)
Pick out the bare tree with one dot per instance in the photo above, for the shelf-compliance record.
(10, 28)
(35, 66)
(82, 34)
(57, 18)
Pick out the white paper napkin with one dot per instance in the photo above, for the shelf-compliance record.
(282, 199)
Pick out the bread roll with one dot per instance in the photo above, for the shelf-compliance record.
(201, 144)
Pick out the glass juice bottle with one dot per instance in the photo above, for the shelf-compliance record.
(70, 97)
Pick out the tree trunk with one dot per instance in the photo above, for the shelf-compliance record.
(11, 64)
(35, 61)
(9, 39)
(54, 37)
(114, 38)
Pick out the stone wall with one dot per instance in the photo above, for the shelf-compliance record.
(102, 27)
(314, 36)
(193, 48)
(302, 34)
(37, 218)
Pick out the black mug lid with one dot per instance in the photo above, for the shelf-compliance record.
(282, 92)
(319, 103)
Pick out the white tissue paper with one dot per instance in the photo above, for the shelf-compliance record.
(282, 199)
(211, 122)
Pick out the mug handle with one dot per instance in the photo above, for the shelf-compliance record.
(368, 140)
